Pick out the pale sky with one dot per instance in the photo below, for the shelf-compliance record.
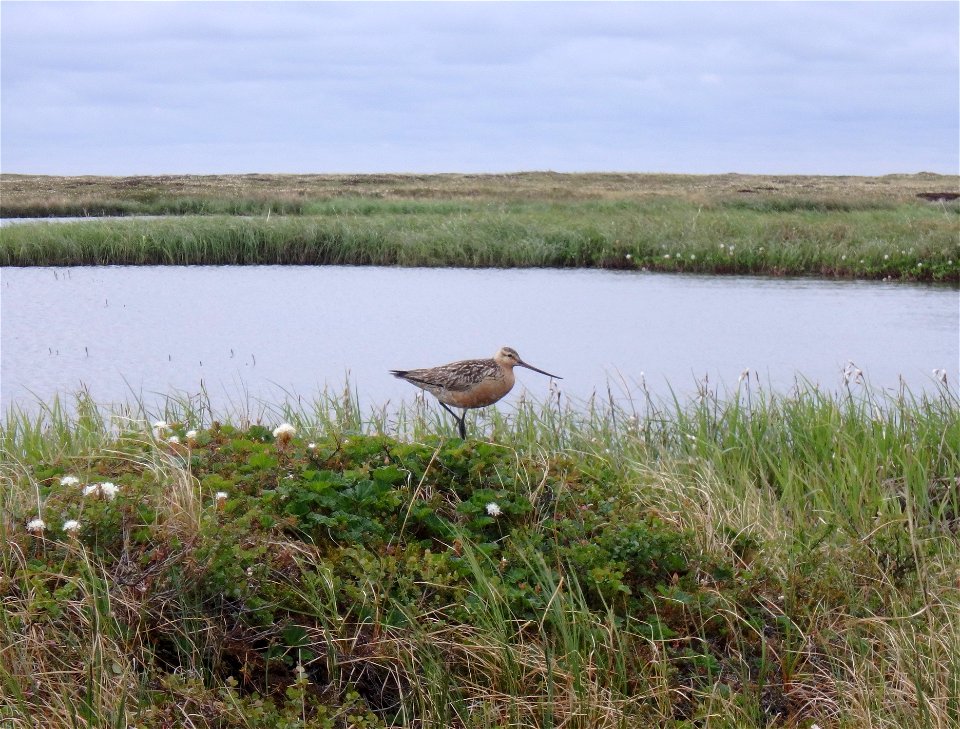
(114, 88)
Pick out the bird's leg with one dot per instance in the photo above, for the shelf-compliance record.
(461, 427)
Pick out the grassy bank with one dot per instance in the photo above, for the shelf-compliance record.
(867, 240)
(898, 226)
(761, 560)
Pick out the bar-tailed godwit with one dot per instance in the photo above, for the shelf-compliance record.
(471, 383)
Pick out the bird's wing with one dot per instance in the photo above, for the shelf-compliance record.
(455, 377)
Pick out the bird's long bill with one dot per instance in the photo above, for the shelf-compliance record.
(531, 367)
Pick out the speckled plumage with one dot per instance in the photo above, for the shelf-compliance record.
(471, 383)
(455, 383)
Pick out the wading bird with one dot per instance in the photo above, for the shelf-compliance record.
(472, 383)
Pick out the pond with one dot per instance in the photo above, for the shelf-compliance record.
(4, 222)
(268, 331)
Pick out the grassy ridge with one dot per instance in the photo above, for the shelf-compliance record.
(761, 560)
(782, 237)
(256, 194)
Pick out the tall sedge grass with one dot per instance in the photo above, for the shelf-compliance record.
(840, 511)
(905, 241)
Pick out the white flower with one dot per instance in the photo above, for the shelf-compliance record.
(493, 509)
(693, 256)
(843, 257)
(173, 439)
(69, 481)
(311, 446)
(852, 373)
(159, 427)
(666, 255)
(36, 526)
(191, 435)
(629, 256)
(919, 265)
(284, 430)
(71, 525)
(220, 496)
(886, 257)
(101, 489)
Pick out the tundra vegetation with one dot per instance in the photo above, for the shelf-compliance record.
(752, 559)
(898, 227)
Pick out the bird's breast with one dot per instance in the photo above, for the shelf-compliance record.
(486, 392)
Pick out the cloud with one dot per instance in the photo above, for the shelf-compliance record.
(313, 87)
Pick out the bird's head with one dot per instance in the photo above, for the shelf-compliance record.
(508, 357)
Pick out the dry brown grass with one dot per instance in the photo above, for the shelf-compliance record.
(28, 190)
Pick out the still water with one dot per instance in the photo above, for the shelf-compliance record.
(267, 331)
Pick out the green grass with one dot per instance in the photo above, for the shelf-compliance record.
(755, 560)
(909, 241)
